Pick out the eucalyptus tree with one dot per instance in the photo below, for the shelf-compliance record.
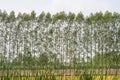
(70, 37)
(47, 37)
(79, 23)
(59, 21)
(11, 25)
(4, 16)
(1, 39)
(86, 45)
(39, 35)
(76, 41)
(47, 26)
(25, 23)
(98, 17)
(108, 39)
(87, 42)
(32, 35)
(115, 36)
(3, 58)
(39, 30)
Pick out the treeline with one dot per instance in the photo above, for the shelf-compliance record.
(59, 40)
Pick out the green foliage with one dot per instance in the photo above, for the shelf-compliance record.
(79, 17)
(111, 59)
(48, 17)
(4, 16)
(25, 17)
(51, 31)
(98, 17)
(115, 16)
(90, 19)
(43, 59)
(28, 59)
(19, 16)
(11, 16)
(53, 77)
(33, 15)
(119, 33)
(107, 16)
(71, 16)
(59, 16)
(41, 17)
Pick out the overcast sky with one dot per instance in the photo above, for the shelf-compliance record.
(53, 6)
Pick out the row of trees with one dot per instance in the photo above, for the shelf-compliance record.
(71, 40)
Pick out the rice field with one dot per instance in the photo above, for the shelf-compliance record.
(108, 77)
(60, 74)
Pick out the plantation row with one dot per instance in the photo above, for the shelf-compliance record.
(60, 40)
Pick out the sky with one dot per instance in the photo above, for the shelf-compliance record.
(53, 6)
